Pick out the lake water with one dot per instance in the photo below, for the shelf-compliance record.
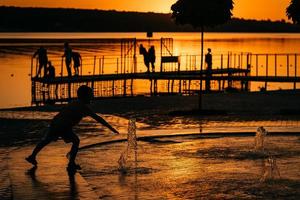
(15, 57)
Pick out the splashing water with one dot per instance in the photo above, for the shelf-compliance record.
(259, 143)
(270, 170)
(131, 146)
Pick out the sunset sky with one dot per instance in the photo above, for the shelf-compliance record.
(249, 9)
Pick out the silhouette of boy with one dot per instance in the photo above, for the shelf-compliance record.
(68, 58)
(208, 61)
(62, 124)
(76, 62)
(144, 52)
(151, 54)
(43, 60)
(50, 71)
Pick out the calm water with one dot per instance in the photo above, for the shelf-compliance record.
(15, 58)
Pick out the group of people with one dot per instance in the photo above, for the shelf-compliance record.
(149, 57)
(44, 63)
(49, 69)
(69, 56)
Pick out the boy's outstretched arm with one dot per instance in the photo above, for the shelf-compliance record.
(103, 122)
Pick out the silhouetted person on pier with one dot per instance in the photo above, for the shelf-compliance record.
(43, 60)
(144, 52)
(151, 54)
(77, 62)
(208, 61)
(62, 124)
(68, 58)
(50, 71)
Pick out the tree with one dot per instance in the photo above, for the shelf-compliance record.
(293, 11)
(201, 14)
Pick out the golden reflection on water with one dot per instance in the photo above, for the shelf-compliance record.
(15, 59)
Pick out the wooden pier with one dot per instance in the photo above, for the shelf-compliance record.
(176, 74)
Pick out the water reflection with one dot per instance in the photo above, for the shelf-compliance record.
(15, 58)
(42, 188)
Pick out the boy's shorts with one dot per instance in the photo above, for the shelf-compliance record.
(67, 135)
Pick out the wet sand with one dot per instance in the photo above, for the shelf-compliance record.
(196, 168)
(22, 127)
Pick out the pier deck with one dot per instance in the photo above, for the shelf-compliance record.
(124, 75)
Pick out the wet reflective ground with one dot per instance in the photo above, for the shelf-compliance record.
(186, 167)
(196, 168)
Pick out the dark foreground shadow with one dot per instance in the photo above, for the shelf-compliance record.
(41, 190)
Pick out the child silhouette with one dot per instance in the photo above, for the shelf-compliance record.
(62, 124)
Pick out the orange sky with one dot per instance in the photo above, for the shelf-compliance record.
(254, 9)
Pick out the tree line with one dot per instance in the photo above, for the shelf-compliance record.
(15, 19)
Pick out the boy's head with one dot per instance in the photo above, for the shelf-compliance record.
(85, 94)
(66, 44)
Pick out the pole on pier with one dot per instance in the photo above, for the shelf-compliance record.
(288, 65)
(113, 88)
(31, 71)
(256, 65)
(275, 57)
(94, 67)
(168, 86)
(180, 87)
(295, 83)
(124, 88)
(248, 72)
(267, 71)
(131, 87)
(62, 67)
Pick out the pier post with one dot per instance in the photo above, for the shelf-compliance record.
(62, 67)
(113, 88)
(267, 70)
(288, 65)
(161, 54)
(99, 66)
(124, 88)
(131, 87)
(31, 68)
(248, 67)
(155, 87)
(69, 90)
(295, 83)
(168, 86)
(172, 86)
(256, 65)
(179, 90)
(94, 67)
(33, 92)
(275, 57)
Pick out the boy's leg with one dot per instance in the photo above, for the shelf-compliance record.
(74, 149)
(39, 70)
(32, 158)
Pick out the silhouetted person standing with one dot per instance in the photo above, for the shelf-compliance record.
(144, 52)
(68, 58)
(43, 60)
(50, 71)
(151, 54)
(77, 62)
(208, 61)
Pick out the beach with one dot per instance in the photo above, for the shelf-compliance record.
(21, 128)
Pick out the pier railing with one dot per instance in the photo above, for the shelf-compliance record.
(100, 65)
(110, 77)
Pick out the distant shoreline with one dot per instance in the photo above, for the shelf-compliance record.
(49, 40)
(17, 19)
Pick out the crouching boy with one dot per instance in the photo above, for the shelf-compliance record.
(62, 124)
